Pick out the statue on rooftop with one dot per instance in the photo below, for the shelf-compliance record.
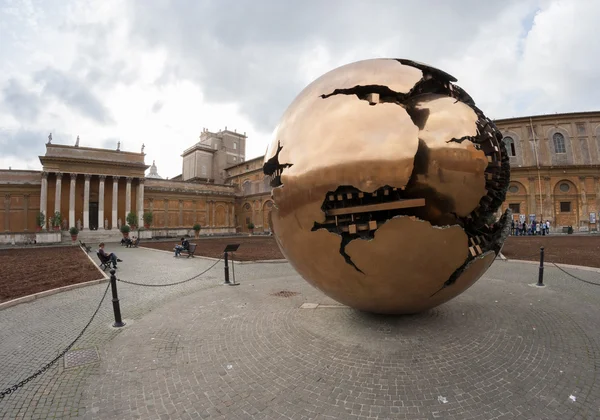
(143, 147)
(50, 138)
(77, 142)
(118, 146)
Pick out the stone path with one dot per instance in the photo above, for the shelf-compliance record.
(502, 350)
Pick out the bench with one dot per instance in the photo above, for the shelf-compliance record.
(104, 262)
(84, 246)
(190, 251)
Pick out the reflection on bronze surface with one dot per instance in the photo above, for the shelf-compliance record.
(386, 179)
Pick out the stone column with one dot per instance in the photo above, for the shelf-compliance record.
(232, 217)
(101, 201)
(128, 197)
(140, 202)
(86, 201)
(532, 198)
(7, 212)
(58, 192)
(72, 200)
(194, 204)
(549, 202)
(227, 205)
(26, 210)
(44, 197)
(597, 185)
(166, 208)
(115, 203)
(180, 213)
(207, 210)
(584, 208)
(214, 209)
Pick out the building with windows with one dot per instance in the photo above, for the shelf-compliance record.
(555, 168)
(206, 160)
(555, 176)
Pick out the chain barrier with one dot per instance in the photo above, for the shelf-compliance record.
(170, 284)
(575, 277)
(13, 388)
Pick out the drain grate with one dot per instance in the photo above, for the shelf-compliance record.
(81, 357)
(285, 293)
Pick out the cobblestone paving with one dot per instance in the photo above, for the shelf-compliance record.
(502, 350)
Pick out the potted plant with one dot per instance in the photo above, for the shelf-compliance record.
(74, 232)
(251, 228)
(125, 229)
(132, 220)
(40, 220)
(197, 228)
(148, 218)
(56, 220)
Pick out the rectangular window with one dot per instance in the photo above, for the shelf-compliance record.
(581, 129)
(515, 208)
(234, 159)
(234, 146)
(565, 206)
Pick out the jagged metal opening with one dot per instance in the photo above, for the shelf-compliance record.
(274, 169)
(353, 214)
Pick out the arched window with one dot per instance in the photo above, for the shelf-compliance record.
(267, 183)
(510, 146)
(559, 143)
(247, 187)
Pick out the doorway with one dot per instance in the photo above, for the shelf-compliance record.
(94, 216)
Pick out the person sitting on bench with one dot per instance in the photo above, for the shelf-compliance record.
(185, 245)
(112, 257)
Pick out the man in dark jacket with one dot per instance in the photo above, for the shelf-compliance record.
(185, 245)
(112, 257)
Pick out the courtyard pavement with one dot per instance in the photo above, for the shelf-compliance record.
(501, 350)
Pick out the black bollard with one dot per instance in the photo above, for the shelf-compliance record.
(115, 300)
(225, 258)
(541, 273)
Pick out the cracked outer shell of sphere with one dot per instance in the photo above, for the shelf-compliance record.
(380, 172)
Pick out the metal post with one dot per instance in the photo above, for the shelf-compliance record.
(225, 258)
(541, 274)
(115, 300)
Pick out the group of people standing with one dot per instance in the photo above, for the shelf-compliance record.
(534, 228)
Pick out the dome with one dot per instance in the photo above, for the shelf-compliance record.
(153, 171)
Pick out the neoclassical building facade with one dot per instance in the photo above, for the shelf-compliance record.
(555, 176)
(555, 168)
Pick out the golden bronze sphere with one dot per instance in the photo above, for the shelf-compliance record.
(386, 183)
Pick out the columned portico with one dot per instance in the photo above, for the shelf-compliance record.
(140, 202)
(115, 202)
(101, 202)
(44, 197)
(86, 202)
(57, 195)
(72, 200)
(127, 198)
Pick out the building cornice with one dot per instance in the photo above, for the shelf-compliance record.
(548, 117)
(58, 159)
(94, 149)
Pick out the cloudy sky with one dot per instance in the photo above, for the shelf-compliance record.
(158, 71)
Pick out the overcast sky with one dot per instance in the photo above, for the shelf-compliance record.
(157, 71)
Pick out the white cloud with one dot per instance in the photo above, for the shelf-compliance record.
(157, 72)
